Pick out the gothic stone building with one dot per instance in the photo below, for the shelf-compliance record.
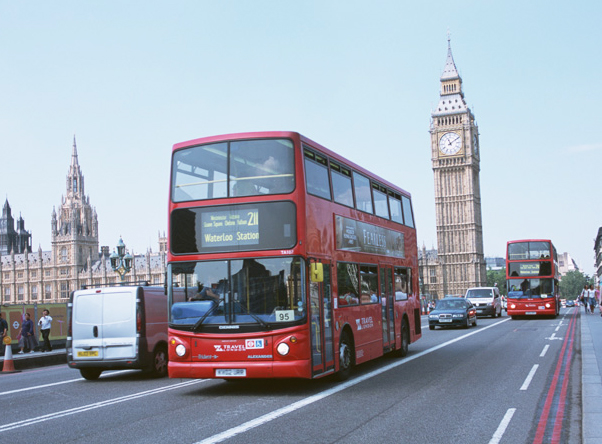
(74, 259)
(18, 240)
(460, 262)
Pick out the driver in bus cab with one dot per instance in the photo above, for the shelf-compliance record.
(205, 294)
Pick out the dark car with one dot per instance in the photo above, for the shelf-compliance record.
(570, 303)
(453, 312)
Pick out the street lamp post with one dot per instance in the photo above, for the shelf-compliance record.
(121, 262)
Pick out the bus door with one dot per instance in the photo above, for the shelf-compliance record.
(387, 307)
(320, 306)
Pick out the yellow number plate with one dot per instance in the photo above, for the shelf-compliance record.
(87, 354)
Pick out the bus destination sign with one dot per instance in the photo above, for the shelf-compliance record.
(367, 238)
(232, 227)
(529, 269)
(244, 227)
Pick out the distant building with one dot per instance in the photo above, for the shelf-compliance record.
(74, 259)
(566, 264)
(430, 274)
(18, 240)
(495, 263)
(598, 255)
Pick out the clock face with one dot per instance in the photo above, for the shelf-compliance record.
(450, 143)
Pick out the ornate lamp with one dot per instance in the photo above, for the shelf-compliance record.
(121, 262)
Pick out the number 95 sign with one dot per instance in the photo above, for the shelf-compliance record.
(285, 315)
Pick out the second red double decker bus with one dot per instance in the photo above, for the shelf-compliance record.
(291, 260)
(532, 278)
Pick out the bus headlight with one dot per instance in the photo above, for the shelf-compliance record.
(548, 305)
(512, 306)
(180, 350)
(283, 349)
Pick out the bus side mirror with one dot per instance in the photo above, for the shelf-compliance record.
(316, 272)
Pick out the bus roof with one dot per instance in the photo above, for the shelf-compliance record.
(529, 240)
(295, 136)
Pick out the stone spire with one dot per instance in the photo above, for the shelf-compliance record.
(450, 72)
(75, 178)
(451, 96)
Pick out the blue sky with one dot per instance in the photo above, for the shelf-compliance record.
(131, 78)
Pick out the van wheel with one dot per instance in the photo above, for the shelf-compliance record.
(159, 368)
(345, 357)
(91, 374)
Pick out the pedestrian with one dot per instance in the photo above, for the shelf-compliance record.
(3, 333)
(592, 298)
(45, 324)
(27, 334)
(584, 298)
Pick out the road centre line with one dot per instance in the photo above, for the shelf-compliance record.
(497, 436)
(26, 389)
(96, 405)
(340, 387)
(544, 351)
(525, 385)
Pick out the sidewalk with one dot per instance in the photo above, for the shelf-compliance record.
(591, 379)
(37, 359)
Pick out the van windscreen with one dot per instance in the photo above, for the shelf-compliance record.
(479, 293)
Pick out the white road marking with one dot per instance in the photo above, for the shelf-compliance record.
(319, 396)
(25, 389)
(525, 385)
(497, 436)
(96, 405)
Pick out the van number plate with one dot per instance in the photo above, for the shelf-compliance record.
(231, 372)
(87, 354)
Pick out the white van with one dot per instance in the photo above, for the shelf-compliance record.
(487, 300)
(117, 327)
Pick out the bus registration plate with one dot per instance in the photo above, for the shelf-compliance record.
(231, 372)
(531, 313)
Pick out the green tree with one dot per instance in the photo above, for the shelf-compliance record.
(572, 283)
(497, 278)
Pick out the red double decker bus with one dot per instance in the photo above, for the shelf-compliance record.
(285, 260)
(532, 278)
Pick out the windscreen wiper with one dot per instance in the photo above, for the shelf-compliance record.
(207, 313)
(257, 318)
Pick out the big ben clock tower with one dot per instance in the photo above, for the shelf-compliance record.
(456, 165)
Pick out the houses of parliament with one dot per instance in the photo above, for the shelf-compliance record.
(75, 258)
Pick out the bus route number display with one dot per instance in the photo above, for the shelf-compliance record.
(233, 227)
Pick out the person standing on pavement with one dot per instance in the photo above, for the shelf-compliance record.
(584, 298)
(45, 324)
(27, 334)
(592, 298)
(3, 332)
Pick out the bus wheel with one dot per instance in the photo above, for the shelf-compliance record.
(405, 339)
(345, 357)
(159, 368)
(91, 374)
